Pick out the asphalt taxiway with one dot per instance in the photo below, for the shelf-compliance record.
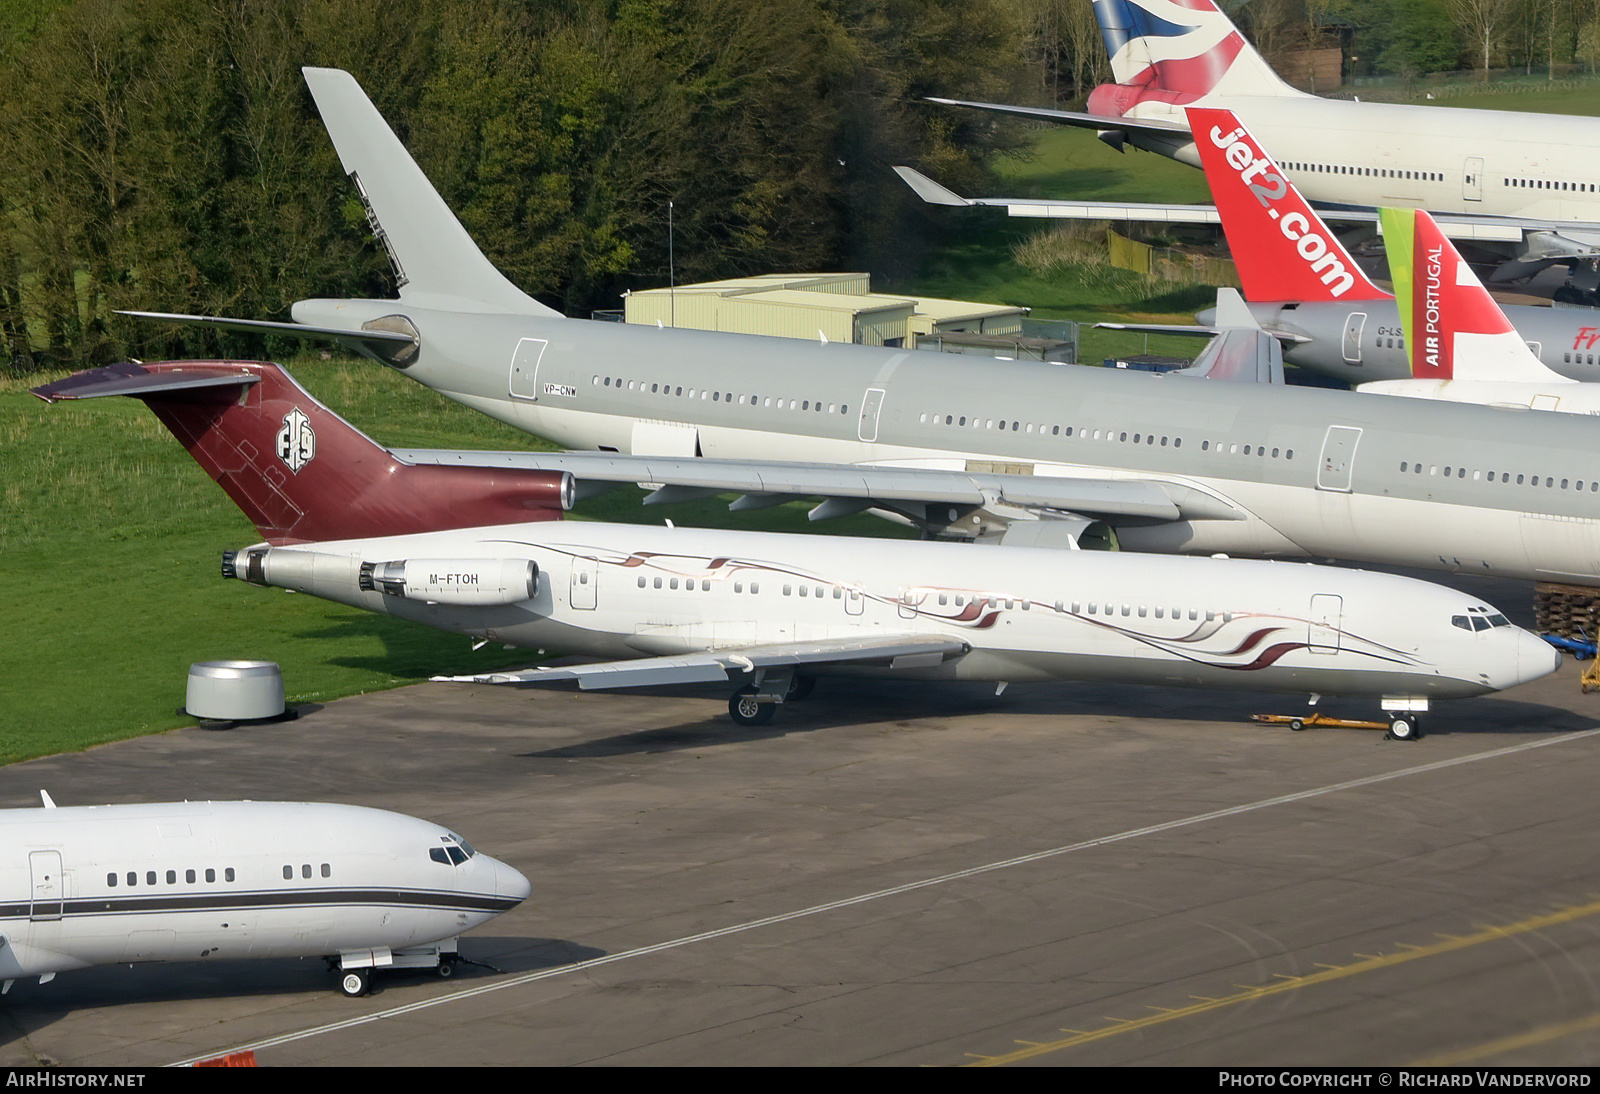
(906, 874)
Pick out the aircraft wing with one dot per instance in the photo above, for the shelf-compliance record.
(1544, 239)
(388, 346)
(850, 488)
(895, 651)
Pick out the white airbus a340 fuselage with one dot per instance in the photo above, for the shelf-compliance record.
(1012, 614)
(193, 881)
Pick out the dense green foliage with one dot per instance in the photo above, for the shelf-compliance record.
(164, 154)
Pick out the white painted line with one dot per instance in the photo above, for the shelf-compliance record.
(864, 898)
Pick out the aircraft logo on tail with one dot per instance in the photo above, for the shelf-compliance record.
(1175, 52)
(1454, 329)
(297, 441)
(1282, 249)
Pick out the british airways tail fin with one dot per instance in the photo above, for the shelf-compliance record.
(436, 262)
(1176, 52)
(299, 471)
(1281, 247)
(1454, 329)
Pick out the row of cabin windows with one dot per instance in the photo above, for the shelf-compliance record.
(1503, 476)
(689, 584)
(1002, 426)
(305, 871)
(1121, 436)
(678, 391)
(1578, 358)
(1370, 172)
(151, 877)
(1143, 611)
(1551, 184)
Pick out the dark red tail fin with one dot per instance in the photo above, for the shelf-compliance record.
(299, 471)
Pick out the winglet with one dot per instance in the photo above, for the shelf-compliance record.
(1454, 329)
(1281, 247)
(928, 190)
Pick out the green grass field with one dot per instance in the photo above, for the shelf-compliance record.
(110, 538)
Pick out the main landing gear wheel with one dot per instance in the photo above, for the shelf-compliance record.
(355, 982)
(746, 710)
(1402, 728)
(800, 687)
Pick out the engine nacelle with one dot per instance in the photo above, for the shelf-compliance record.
(469, 581)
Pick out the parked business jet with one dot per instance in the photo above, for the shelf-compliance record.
(766, 611)
(1014, 450)
(1525, 183)
(208, 881)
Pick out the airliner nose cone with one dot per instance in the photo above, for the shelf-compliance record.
(1536, 657)
(509, 882)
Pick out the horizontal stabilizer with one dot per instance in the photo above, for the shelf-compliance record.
(1073, 117)
(388, 347)
(718, 666)
(133, 380)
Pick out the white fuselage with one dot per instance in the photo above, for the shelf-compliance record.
(624, 591)
(189, 881)
(1297, 472)
(1444, 159)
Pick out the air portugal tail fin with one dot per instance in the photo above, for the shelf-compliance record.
(436, 262)
(299, 471)
(1176, 52)
(1281, 247)
(1454, 329)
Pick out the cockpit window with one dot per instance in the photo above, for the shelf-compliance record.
(1481, 618)
(454, 852)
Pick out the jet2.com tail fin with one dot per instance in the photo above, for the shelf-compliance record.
(1454, 329)
(1176, 52)
(1282, 249)
(299, 471)
(436, 262)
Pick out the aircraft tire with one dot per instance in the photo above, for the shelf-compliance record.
(746, 710)
(355, 982)
(800, 687)
(1402, 728)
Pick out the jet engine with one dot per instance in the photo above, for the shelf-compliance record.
(467, 581)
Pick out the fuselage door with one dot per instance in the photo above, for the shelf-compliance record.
(585, 583)
(1472, 179)
(871, 404)
(525, 368)
(1338, 463)
(1327, 613)
(1352, 336)
(853, 601)
(48, 890)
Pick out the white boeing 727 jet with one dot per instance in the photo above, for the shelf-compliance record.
(765, 611)
(210, 881)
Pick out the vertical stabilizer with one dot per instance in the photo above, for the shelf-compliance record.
(1454, 329)
(1281, 247)
(1176, 52)
(436, 262)
(300, 472)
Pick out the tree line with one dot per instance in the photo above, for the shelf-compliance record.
(165, 155)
